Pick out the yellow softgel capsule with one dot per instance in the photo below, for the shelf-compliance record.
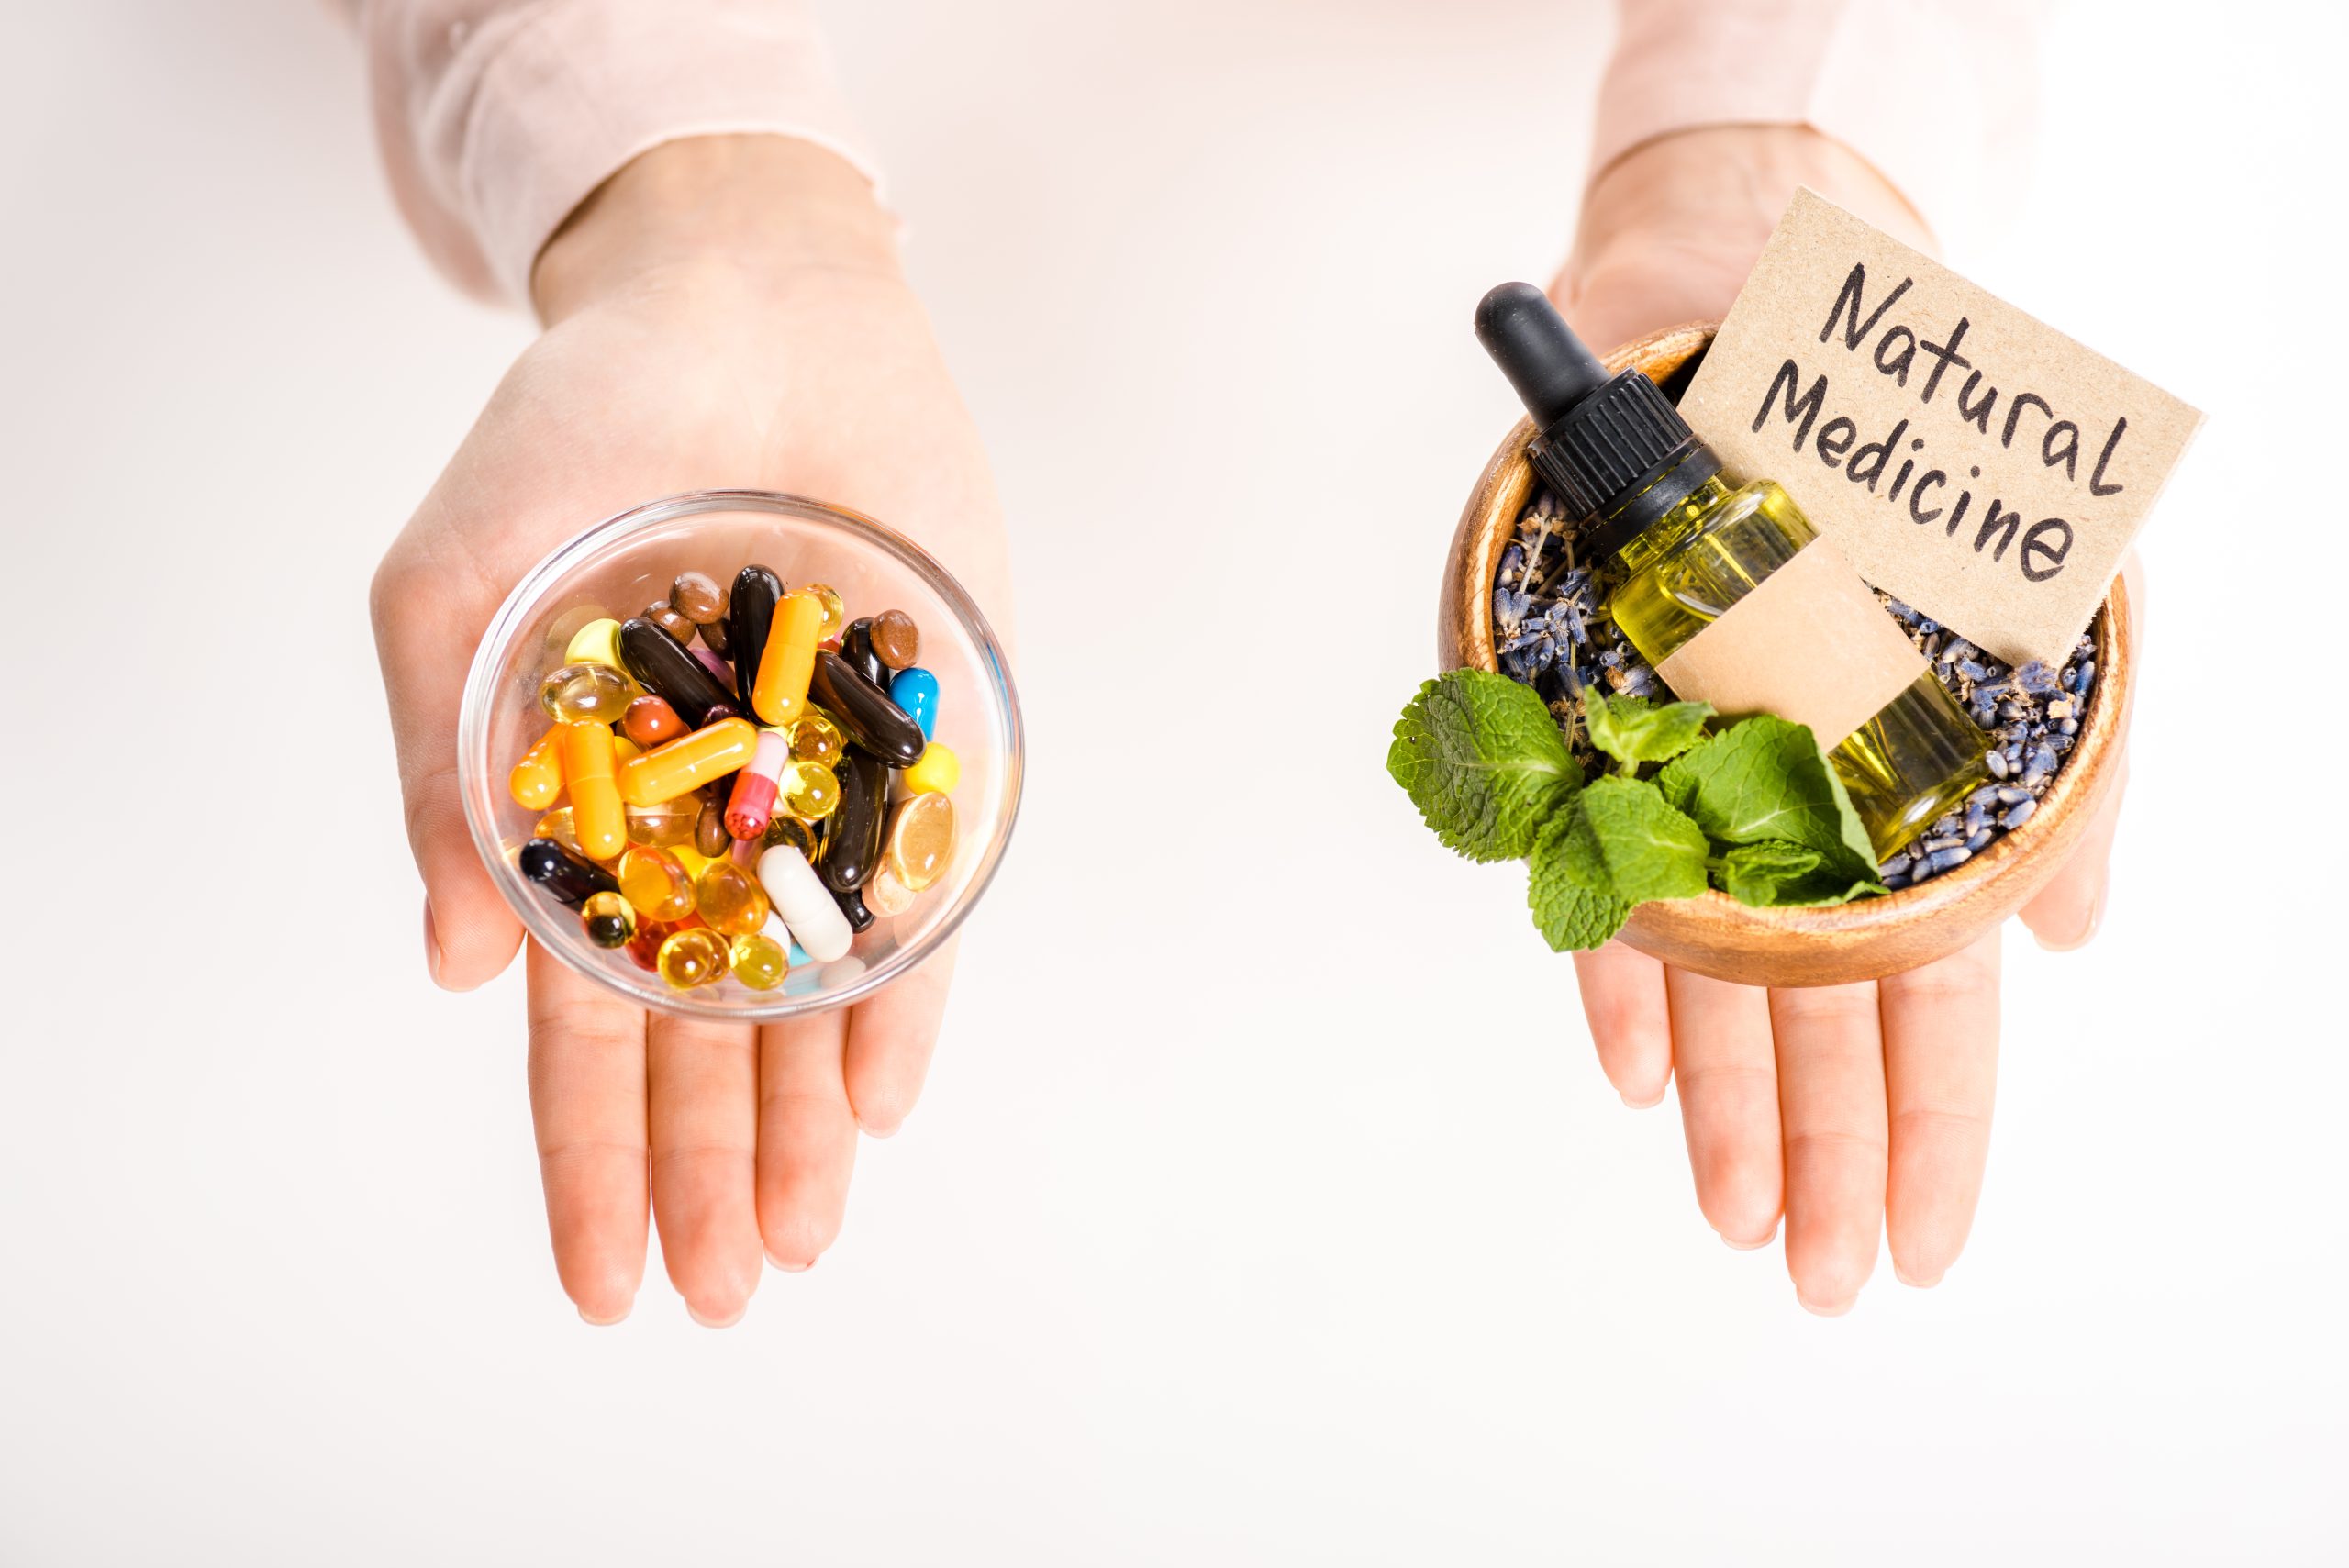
(559, 826)
(816, 739)
(537, 779)
(937, 773)
(835, 611)
(785, 829)
(809, 791)
(730, 898)
(664, 823)
(759, 960)
(695, 956)
(921, 842)
(655, 883)
(597, 642)
(608, 919)
(596, 693)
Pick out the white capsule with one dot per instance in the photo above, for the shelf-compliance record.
(805, 903)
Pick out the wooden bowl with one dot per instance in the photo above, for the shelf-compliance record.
(1869, 939)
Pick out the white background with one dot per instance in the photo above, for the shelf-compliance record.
(1266, 1205)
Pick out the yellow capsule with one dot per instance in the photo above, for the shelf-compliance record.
(730, 898)
(695, 956)
(655, 883)
(608, 919)
(835, 612)
(558, 825)
(785, 829)
(788, 660)
(815, 738)
(692, 859)
(537, 779)
(625, 751)
(566, 626)
(665, 822)
(593, 692)
(687, 762)
(809, 791)
(587, 773)
(597, 642)
(760, 962)
(937, 773)
(921, 842)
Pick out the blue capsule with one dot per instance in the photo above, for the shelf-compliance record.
(915, 689)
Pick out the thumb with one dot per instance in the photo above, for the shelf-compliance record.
(425, 637)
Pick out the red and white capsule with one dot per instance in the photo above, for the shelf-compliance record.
(752, 806)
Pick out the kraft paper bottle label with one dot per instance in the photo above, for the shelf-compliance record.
(1969, 460)
(1809, 644)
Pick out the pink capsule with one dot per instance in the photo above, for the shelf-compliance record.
(751, 805)
(717, 666)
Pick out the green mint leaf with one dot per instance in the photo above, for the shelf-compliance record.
(1567, 912)
(1483, 761)
(1764, 778)
(1632, 729)
(1776, 875)
(1621, 839)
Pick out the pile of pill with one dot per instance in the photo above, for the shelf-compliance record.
(725, 764)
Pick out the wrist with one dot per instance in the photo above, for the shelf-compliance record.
(757, 208)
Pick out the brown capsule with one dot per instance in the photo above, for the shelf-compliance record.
(698, 597)
(713, 637)
(650, 720)
(710, 836)
(896, 639)
(660, 615)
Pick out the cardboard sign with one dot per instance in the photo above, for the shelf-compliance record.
(1968, 458)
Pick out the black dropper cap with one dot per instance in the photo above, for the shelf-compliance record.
(1614, 448)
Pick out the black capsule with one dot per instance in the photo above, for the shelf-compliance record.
(865, 710)
(851, 903)
(661, 661)
(853, 833)
(569, 879)
(750, 616)
(856, 646)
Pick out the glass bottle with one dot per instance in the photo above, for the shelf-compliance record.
(1688, 545)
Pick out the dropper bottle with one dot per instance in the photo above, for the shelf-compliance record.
(1691, 548)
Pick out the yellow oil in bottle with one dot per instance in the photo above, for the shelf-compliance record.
(1918, 758)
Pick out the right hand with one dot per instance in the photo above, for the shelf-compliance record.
(725, 312)
(1851, 1110)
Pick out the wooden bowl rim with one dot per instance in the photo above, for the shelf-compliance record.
(1715, 913)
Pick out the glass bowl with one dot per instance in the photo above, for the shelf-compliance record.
(627, 562)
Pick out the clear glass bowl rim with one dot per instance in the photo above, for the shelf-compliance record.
(479, 784)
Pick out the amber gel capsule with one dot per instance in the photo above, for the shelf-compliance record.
(662, 663)
(865, 710)
(537, 779)
(689, 761)
(587, 770)
(750, 614)
(788, 659)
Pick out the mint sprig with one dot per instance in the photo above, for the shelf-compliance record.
(1483, 761)
(1754, 809)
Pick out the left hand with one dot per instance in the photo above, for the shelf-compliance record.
(1848, 1109)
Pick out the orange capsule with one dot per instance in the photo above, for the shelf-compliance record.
(587, 769)
(537, 779)
(789, 659)
(687, 762)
